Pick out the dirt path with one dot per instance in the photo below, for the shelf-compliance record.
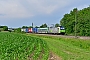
(53, 56)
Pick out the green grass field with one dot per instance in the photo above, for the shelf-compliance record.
(67, 48)
(14, 46)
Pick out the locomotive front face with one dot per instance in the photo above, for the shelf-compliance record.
(62, 29)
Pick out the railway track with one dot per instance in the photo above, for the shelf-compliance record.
(65, 36)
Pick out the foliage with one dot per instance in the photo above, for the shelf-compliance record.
(4, 28)
(30, 27)
(82, 22)
(26, 26)
(43, 25)
(57, 25)
(10, 31)
(15, 46)
(18, 30)
(36, 27)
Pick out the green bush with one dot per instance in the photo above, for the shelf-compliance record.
(10, 31)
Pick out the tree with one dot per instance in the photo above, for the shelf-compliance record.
(57, 25)
(5, 28)
(80, 18)
(18, 30)
(27, 27)
(36, 27)
(24, 27)
(30, 27)
(43, 25)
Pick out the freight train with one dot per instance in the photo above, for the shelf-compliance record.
(48, 30)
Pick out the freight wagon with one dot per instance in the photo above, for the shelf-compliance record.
(42, 30)
(27, 30)
(30, 30)
(34, 30)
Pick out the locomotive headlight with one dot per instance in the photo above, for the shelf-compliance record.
(62, 28)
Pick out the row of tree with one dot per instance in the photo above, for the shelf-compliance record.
(42, 26)
(77, 21)
(5, 28)
(18, 30)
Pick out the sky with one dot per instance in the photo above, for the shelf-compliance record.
(18, 13)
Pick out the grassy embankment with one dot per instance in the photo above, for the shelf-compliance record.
(67, 48)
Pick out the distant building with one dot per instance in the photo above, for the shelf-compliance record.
(11, 29)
